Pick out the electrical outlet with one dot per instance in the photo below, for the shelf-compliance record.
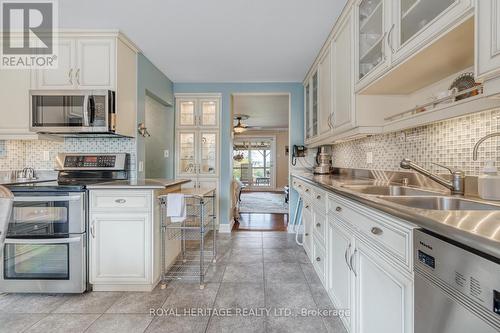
(141, 166)
(166, 153)
(46, 156)
(369, 157)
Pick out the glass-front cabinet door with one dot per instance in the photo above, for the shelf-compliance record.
(208, 153)
(371, 35)
(208, 112)
(307, 110)
(314, 105)
(187, 112)
(417, 14)
(187, 153)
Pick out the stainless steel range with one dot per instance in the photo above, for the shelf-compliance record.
(46, 245)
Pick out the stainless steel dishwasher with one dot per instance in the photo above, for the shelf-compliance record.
(457, 290)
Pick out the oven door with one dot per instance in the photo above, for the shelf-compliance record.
(69, 111)
(56, 265)
(46, 215)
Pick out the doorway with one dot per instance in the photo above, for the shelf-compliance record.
(260, 161)
(159, 142)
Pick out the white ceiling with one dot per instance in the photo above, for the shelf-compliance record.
(265, 111)
(217, 40)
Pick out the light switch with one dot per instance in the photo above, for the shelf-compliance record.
(166, 153)
(369, 157)
(46, 156)
(141, 166)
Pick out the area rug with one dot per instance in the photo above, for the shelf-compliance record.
(263, 202)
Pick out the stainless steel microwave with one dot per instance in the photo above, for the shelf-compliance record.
(72, 111)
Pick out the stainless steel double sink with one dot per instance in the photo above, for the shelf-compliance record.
(420, 198)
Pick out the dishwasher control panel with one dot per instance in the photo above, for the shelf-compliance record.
(469, 272)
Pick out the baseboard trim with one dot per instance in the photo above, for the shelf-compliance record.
(226, 228)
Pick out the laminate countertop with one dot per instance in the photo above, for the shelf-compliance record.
(150, 184)
(479, 230)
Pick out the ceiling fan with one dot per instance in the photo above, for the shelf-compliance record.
(240, 127)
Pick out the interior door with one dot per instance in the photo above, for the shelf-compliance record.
(96, 64)
(62, 77)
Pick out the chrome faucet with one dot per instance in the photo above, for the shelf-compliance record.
(476, 147)
(456, 185)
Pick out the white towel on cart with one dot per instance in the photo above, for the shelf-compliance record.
(176, 207)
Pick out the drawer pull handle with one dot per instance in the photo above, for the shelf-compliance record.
(120, 201)
(318, 197)
(318, 259)
(338, 209)
(351, 262)
(377, 231)
(318, 225)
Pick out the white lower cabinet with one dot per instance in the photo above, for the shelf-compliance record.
(339, 285)
(124, 247)
(384, 296)
(308, 235)
(368, 277)
(120, 244)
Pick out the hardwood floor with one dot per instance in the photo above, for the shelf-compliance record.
(261, 222)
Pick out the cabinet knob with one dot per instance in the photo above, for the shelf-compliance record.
(377, 231)
(307, 234)
(318, 259)
(338, 209)
(307, 190)
(307, 206)
(120, 201)
(318, 225)
(318, 197)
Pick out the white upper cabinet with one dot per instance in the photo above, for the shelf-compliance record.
(307, 110)
(487, 39)
(325, 93)
(420, 22)
(199, 112)
(373, 29)
(62, 77)
(84, 63)
(95, 63)
(343, 78)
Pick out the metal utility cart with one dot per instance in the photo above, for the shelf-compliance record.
(196, 253)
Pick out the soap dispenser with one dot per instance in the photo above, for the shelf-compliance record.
(489, 182)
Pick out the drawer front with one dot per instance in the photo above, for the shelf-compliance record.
(121, 200)
(319, 260)
(387, 234)
(319, 199)
(319, 227)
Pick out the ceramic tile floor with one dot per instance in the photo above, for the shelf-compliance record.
(254, 270)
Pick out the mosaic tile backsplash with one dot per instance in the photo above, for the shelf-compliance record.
(447, 142)
(19, 154)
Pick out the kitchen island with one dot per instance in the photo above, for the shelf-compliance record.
(124, 225)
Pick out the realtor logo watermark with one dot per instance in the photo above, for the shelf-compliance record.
(29, 34)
